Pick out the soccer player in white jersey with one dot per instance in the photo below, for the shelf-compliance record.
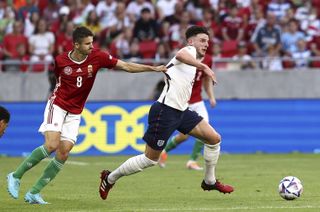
(170, 112)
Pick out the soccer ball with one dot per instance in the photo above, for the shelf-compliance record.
(290, 188)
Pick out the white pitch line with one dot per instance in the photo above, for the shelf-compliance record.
(224, 209)
(71, 162)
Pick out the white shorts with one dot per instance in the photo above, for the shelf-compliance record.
(201, 109)
(58, 120)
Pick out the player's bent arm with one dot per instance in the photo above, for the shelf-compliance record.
(208, 87)
(135, 67)
(185, 57)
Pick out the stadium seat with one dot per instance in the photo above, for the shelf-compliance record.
(148, 48)
(229, 48)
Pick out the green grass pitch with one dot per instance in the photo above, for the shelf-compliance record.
(255, 178)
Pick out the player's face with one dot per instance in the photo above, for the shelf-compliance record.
(85, 46)
(3, 126)
(201, 43)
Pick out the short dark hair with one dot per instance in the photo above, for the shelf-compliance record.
(145, 10)
(81, 32)
(194, 30)
(4, 114)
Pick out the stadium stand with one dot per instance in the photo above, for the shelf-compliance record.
(229, 22)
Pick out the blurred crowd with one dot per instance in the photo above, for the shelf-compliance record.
(268, 34)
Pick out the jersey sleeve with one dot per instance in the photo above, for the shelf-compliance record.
(192, 50)
(56, 69)
(107, 60)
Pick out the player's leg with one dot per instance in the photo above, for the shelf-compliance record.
(172, 144)
(200, 108)
(162, 123)
(52, 114)
(68, 138)
(205, 132)
(196, 152)
(49, 173)
(131, 166)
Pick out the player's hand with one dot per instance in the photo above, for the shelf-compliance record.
(160, 68)
(213, 102)
(210, 73)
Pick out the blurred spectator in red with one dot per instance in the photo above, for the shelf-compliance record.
(268, 35)
(41, 43)
(27, 10)
(134, 9)
(314, 46)
(23, 57)
(146, 28)
(106, 10)
(64, 40)
(232, 26)
(51, 12)
(12, 40)
(30, 24)
(210, 21)
(165, 8)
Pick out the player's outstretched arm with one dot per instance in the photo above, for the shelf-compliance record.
(185, 57)
(135, 67)
(208, 87)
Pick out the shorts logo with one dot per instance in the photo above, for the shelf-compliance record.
(67, 70)
(55, 124)
(160, 142)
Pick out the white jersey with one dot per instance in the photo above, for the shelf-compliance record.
(180, 78)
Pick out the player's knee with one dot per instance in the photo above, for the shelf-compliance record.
(215, 139)
(62, 155)
(51, 146)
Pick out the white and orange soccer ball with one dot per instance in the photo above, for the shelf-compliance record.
(290, 188)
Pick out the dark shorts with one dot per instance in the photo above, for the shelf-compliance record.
(164, 120)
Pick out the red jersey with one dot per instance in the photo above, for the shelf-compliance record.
(75, 79)
(11, 41)
(197, 86)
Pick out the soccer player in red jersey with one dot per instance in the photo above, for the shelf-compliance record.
(75, 72)
(196, 104)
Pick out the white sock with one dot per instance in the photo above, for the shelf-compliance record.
(211, 155)
(131, 166)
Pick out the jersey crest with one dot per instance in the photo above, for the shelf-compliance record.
(67, 70)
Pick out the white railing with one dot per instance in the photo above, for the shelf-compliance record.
(219, 64)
